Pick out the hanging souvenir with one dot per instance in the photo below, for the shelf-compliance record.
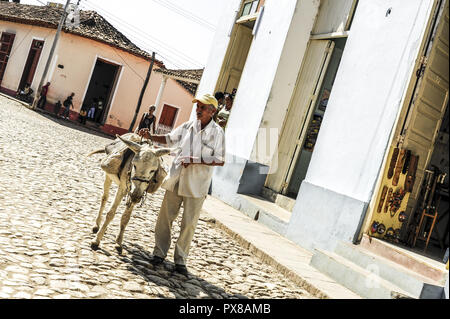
(389, 233)
(374, 227)
(396, 201)
(399, 167)
(402, 217)
(381, 229)
(407, 161)
(388, 200)
(383, 196)
(392, 163)
(410, 178)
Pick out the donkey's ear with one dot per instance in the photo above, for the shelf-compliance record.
(162, 151)
(135, 147)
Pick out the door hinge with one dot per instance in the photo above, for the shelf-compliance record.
(423, 64)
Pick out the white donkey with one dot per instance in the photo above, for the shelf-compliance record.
(139, 172)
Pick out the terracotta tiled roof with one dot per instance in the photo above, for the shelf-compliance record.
(92, 25)
(194, 74)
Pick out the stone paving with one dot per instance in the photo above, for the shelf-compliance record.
(49, 197)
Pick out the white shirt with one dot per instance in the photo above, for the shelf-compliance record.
(207, 144)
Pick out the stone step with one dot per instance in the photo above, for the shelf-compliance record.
(361, 281)
(409, 281)
(419, 264)
(265, 212)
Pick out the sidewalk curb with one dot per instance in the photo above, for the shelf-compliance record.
(265, 258)
(45, 112)
(28, 106)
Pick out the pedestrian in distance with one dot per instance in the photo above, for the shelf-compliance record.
(201, 146)
(91, 112)
(67, 105)
(220, 97)
(25, 94)
(83, 115)
(99, 111)
(224, 113)
(43, 98)
(57, 108)
(148, 120)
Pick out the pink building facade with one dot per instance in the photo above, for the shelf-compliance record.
(109, 67)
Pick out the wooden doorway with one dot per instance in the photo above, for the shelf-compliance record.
(31, 64)
(6, 42)
(102, 86)
(167, 119)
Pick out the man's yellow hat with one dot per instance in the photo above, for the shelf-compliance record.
(207, 99)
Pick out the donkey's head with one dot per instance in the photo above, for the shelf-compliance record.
(144, 165)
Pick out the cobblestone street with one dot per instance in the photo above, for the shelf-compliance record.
(49, 197)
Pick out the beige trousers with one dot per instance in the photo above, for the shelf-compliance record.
(170, 208)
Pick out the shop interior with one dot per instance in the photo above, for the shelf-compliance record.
(411, 208)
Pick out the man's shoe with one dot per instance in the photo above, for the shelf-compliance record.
(181, 269)
(156, 260)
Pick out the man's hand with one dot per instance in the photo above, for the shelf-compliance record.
(144, 132)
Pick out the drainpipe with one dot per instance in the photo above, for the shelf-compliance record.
(160, 92)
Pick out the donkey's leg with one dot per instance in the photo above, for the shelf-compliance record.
(106, 187)
(109, 217)
(123, 224)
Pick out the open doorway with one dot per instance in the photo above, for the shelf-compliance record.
(302, 156)
(303, 120)
(31, 64)
(100, 90)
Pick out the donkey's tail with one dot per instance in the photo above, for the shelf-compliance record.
(96, 152)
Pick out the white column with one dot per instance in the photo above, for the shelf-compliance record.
(160, 92)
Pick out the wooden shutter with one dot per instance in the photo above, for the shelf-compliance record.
(6, 43)
(430, 103)
(167, 119)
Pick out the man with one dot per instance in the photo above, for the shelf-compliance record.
(91, 112)
(43, 99)
(220, 97)
(224, 114)
(201, 144)
(68, 104)
(148, 119)
(99, 111)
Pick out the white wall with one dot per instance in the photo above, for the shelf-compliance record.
(255, 86)
(333, 16)
(217, 50)
(368, 91)
(285, 79)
